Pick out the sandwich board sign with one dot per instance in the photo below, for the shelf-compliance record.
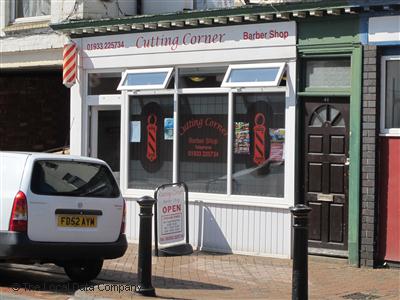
(171, 228)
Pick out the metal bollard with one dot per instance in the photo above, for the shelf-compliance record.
(144, 285)
(300, 252)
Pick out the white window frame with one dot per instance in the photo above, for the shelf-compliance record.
(383, 130)
(226, 198)
(275, 82)
(109, 99)
(14, 19)
(122, 87)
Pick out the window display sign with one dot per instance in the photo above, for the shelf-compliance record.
(203, 137)
(171, 217)
(242, 138)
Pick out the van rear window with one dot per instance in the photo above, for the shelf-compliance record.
(73, 178)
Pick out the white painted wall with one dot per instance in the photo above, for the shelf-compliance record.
(94, 9)
(230, 228)
(29, 42)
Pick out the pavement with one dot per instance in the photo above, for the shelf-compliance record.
(204, 275)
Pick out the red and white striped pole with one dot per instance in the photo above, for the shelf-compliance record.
(70, 54)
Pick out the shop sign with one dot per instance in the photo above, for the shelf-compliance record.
(224, 37)
(203, 138)
(171, 214)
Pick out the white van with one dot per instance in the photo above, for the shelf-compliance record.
(60, 209)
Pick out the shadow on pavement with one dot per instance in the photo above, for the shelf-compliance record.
(159, 281)
(37, 280)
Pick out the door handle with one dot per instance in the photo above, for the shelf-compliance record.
(347, 162)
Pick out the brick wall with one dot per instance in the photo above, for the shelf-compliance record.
(34, 111)
(368, 156)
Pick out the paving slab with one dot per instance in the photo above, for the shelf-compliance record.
(206, 276)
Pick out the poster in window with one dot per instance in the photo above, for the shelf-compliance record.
(168, 128)
(135, 132)
(203, 137)
(277, 144)
(242, 138)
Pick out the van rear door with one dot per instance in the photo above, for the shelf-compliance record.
(73, 201)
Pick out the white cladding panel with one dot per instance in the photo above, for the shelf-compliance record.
(189, 58)
(230, 228)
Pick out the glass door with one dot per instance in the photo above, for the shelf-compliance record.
(106, 134)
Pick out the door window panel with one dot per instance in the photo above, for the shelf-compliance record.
(108, 138)
(335, 73)
(150, 141)
(203, 136)
(259, 143)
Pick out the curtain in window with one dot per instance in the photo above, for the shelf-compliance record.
(32, 8)
(206, 4)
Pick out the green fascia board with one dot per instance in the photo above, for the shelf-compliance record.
(339, 30)
(331, 50)
(187, 15)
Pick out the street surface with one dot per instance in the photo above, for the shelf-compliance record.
(204, 276)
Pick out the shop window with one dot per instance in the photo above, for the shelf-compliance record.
(322, 73)
(259, 144)
(203, 132)
(30, 8)
(390, 117)
(150, 141)
(145, 79)
(254, 75)
(103, 83)
(201, 77)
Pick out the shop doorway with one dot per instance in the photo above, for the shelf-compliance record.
(105, 137)
(325, 172)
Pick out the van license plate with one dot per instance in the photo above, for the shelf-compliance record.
(76, 221)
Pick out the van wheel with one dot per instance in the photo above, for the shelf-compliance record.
(83, 271)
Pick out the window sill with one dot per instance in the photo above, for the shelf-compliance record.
(32, 19)
(390, 134)
(22, 26)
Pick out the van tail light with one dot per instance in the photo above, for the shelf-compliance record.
(19, 214)
(123, 222)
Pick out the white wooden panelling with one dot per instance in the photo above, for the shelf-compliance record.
(229, 228)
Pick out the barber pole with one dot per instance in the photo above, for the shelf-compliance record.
(151, 137)
(69, 64)
(259, 139)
